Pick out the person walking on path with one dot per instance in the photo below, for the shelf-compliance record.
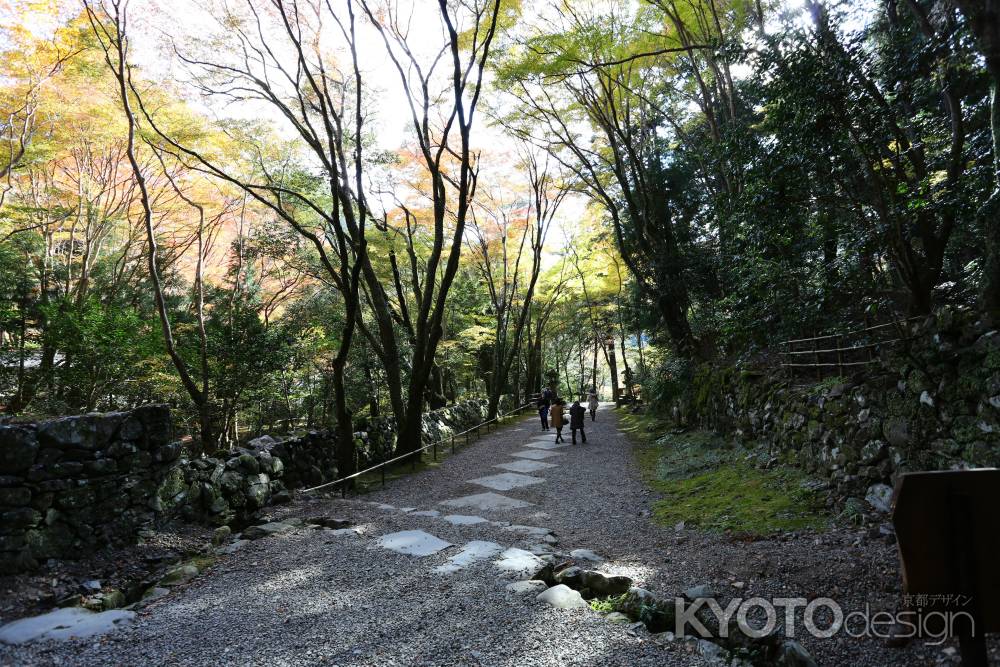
(556, 413)
(577, 415)
(543, 412)
(592, 403)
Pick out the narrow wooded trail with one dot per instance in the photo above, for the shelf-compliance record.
(422, 576)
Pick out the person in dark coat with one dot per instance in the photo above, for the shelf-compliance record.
(577, 413)
(543, 412)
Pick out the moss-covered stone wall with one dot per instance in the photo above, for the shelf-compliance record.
(930, 404)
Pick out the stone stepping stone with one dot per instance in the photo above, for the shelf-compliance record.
(586, 554)
(426, 513)
(523, 587)
(547, 444)
(473, 551)
(413, 543)
(519, 563)
(506, 481)
(487, 501)
(63, 624)
(531, 531)
(525, 465)
(541, 549)
(464, 519)
(536, 454)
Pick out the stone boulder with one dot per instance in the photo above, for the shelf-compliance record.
(562, 597)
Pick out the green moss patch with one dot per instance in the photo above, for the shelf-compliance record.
(736, 497)
(704, 482)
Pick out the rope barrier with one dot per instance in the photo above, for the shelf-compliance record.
(415, 452)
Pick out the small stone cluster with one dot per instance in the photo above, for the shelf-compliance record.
(74, 484)
(931, 406)
(232, 491)
(309, 459)
(567, 586)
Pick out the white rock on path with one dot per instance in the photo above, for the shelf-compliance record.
(562, 596)
(426, 513)
(525, 465)
(413, 543)
(463, 519)
(535, 454)
(487, 501)
(506, 481)
(547, 444)
(524, 587)
(62, 624)
(586, 554)
(473, 551)
(531, 531)
(519, 562)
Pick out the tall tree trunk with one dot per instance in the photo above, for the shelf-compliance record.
(613, 367)
(984, 23)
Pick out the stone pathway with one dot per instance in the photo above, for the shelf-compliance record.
(430, 573)
(413, 582)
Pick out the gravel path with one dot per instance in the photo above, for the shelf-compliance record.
(318, 597)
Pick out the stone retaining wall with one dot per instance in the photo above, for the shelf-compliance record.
(73, 484)
(932, 405)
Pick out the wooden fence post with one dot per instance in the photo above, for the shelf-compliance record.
(840, 356)
(816, 356)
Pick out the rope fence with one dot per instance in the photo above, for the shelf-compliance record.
(417, 454)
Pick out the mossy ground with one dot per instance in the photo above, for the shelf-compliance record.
(704, 483)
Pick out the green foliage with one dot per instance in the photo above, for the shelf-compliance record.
(110, 355)
(606, 605)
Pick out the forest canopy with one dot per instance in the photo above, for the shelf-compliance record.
(275, 214)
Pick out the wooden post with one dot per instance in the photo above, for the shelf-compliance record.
(816, 356)
(971, 640)
(453, 444)
(868, 345)
(840, 356)
(435, 450)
